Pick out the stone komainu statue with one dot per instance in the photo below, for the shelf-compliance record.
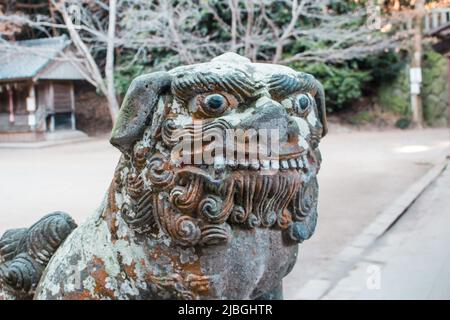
(168, 229)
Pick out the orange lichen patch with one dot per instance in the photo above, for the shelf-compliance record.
(111, 221)
(110, 213)
(112, 206)
(198, 284)
(130, 270)
(286, 219)
(84, 295)
(186, 281)
(158, 252)
(192, 267)
(100, 276)
(193, 277)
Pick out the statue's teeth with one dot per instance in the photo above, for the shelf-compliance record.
(243, 164)
(292, 163)
(284, 164)
(300, 163)
(254, 164)
(232, 163)
(274, 164)
(305, 160)
(265, 164)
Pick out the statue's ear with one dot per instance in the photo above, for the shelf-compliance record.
(137, 109)
(321, 108)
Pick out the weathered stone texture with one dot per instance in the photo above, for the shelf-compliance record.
(172, 229)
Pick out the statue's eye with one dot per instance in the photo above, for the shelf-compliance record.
(214, 104)
(210, 105)
(302, 104)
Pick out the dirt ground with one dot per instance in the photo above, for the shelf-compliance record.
(362, 173)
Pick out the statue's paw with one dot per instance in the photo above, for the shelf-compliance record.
(46, 235)
(11, 243)
(21, 274)
(26, 252)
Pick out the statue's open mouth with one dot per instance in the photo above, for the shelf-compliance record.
(256, 164)
(263, 193)
(295, 160)
(217, 144)
(242, 195)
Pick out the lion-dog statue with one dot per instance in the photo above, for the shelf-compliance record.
(172, 229)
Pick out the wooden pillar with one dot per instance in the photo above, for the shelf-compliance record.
(10, 103)
(52, 123)
(52, 107)
(31, 107)
(72, 105)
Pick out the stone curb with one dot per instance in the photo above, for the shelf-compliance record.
(318, 287)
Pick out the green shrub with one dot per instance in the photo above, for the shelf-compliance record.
(403, 123)
(361, 117)
(124, 76)
(435, 88)
(346, 82)
(383, 67)
(342, 84)
(394, 95)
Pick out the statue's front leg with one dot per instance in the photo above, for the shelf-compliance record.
(19, 272)
(24, 254)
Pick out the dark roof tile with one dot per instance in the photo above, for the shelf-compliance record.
(24, 59)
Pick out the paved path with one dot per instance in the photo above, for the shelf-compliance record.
(362, 173)
(412, 260)
(71, 178)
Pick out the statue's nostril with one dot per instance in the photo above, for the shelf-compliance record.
(292, 131)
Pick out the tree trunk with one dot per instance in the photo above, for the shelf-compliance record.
(109, 66)
(234, 13)
(91, 66)
(51, 8)
(416, 99)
